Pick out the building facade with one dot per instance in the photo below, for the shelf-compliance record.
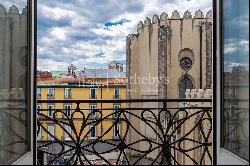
(167, 56)
(70, 88)
(170, 54)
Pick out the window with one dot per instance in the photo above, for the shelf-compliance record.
(67, 93)
(117, 129)
(67, 109)
(92, 110)
(232, 92)
(15, 78)
(39, 136)
(66, 135)
(38, 107)
(185, 83)
(51, 110)
(232, 112)
(38, 91)
(116, 109)
(235, 77)
(232, 133)
(92, 132)
(51, 93)
(51, 130)
(186, 63)
(117, 93)
(93, 93)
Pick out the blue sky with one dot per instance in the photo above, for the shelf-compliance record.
(92, 33)
(236, 34)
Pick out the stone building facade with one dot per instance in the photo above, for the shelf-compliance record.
(13, 46)
(161, 46)
(167, 56)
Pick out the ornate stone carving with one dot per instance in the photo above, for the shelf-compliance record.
(155, 19)
(147, 21)
(209, 14)
(175, 15)
(139, 26)
(187, 15)
(13, 10)
(2, 10)
(164, 16)
(199, 14)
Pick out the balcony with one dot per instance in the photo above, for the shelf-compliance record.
(152, 131)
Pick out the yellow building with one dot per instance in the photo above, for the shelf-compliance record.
(61, 118)
(74, 92)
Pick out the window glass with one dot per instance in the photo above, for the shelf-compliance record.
(92, 110)
(117, 130)
(51, 130)
(66, 135)
(92, 132)
(185, 83)
(93, 93)
(13, 81)
(236, 77)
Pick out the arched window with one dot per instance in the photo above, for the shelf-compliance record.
(185, 83)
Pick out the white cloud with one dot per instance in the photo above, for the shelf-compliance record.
(236, 45)
(73, 31)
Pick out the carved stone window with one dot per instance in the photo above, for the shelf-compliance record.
(186, 63)
(185, 83)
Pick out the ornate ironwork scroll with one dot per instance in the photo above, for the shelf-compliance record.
(153, 136)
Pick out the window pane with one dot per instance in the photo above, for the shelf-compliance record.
(236, 76)
(13, 80)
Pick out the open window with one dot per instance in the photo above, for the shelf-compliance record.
(17, 85)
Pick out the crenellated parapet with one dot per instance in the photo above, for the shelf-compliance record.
(12, 11)
(187, 15)
(164, 18)
(175, 15)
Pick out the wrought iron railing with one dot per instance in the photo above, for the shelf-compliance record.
(141, 132)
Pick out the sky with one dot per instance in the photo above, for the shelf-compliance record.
(92, 33)
(236, 34)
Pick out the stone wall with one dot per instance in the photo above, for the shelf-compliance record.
(158, 47)
(13, 47)
(153, 60)
(197, 128)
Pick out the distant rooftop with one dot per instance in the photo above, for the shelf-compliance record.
(102, 73)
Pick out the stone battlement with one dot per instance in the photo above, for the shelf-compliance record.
(13, 10)
(165, 19)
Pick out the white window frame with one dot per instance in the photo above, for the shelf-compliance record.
(53, 107)
(66, 110)
(116, 135)
(39, 136)
(52, 131)
(53, 92)
(116, 106)
(90, 93)
(69, 130)
(92, 111)
(67, 93)
(119, 93)
(90, 133)
(38, 91)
